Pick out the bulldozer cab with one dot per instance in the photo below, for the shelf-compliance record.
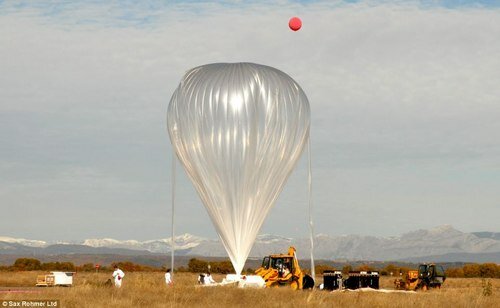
(265, 262)
(431, 274)
(430, 271)
(440, 271)
(281, 263)
(422, 271)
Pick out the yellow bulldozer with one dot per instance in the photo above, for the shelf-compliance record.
(283, 270)
(427, 276)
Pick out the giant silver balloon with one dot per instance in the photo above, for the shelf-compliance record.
(238, 129)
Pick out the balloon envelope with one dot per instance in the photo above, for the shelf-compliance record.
(238, 130)
(295, 23)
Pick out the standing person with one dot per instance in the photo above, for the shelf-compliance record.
(118, 275)
(201, 278)
(168, 277)
(209, 279)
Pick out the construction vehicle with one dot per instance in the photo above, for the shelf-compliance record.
(427, 276)
(284, 270)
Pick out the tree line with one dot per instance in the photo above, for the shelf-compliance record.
(194, 265)
(485, 270)
(31, 264)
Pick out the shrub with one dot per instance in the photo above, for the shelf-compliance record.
(197, 266)
(455, 272)
(58, 266)
(27, 264)
(365, 267)
(346, 269)
(133, 267)
(321, 268)
(487, 288)
(471, 270)
(87, 267)
(489, 270)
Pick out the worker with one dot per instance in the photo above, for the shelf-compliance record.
(118, 275)
(201, 279)
(340, 283)
(286, 271)
(209, 279)
(168, 278)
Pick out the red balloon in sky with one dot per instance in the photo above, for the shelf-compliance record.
(295, 23)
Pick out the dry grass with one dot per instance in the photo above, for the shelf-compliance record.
(149, 290)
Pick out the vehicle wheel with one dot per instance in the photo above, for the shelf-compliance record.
(307, 282)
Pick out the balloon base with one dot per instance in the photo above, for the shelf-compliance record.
(244, 281)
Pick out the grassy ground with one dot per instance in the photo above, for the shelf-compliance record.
(149, 290)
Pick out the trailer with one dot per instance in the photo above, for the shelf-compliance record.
(64, 279)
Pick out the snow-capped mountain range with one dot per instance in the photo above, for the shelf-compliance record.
(182, 242)
(439, 241)
(22, 241)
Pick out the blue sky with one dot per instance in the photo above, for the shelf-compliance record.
(404, 98)
(140, 13)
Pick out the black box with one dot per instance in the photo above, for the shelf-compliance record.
(362, 279)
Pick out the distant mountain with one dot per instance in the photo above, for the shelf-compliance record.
(65, 249)
(83, 249)
(15, 248)
(22, 241)
(443, 243)
(421, 243)
(492, 235)
(182, 242)
(459, 257)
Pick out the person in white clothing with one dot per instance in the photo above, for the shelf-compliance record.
(168, 277)
(118, 275)
(286, 271)
(209, 279)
